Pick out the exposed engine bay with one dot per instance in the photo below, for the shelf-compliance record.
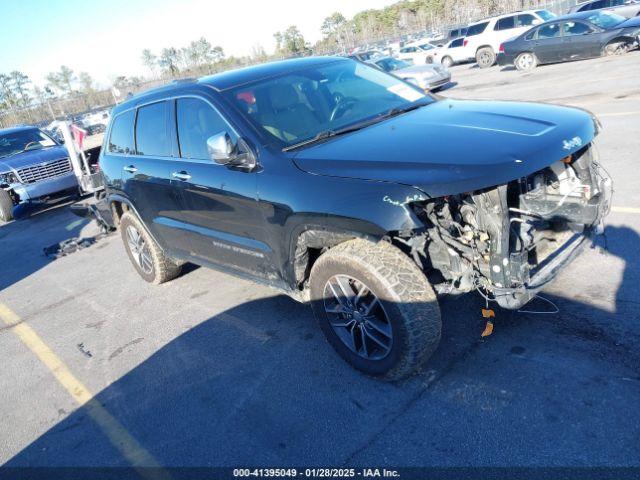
(508, 241)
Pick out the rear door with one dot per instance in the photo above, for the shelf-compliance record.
(547, 43)
(221, 213)
(455, 51)
(147, 175)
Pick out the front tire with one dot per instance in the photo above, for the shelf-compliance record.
(146, 256)
(526, 61)
(6, 206)
(615, 48)
(376, 308)
(485, 57)
(447, 62)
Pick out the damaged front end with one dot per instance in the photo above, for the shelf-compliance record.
(510, 240)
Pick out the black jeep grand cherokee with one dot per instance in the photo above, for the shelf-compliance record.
(356, 191)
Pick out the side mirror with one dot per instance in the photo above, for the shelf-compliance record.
(223, 151)
(220, 147)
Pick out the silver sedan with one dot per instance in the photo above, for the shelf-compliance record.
(428, 76)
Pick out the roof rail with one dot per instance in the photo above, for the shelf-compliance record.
(184, 80)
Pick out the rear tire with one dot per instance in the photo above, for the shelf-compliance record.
(447, 62)
(6, 206)
(485, 57)
(526, 61)
(388, 322)
(146, 256)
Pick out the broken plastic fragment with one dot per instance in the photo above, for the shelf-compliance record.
(488, 313)
(488, 330)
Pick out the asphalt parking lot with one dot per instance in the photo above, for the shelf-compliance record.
(209, 370)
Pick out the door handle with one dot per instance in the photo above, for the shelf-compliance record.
(181, 175)
(130, 169)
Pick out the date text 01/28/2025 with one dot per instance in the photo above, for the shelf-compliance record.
(315, 472)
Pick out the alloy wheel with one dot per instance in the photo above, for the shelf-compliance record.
(358, 317)
(525, 61)
(139, 249)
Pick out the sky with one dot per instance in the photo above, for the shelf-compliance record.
(106, 37)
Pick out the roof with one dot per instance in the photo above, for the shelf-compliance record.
(492, 17)
(21, 128)
(241, 76)
(229, 79)
(580, 15)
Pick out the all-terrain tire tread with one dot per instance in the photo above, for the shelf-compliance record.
(164, 267)
(414, 297)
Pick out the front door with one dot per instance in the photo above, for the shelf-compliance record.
(221, 211)
(579, 40)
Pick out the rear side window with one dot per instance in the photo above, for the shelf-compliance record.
(477, 29)
(549, 31)
(525, 20)
(121, 139)
(197, 121)
(505, 23)
(595, 5)
(152, 135)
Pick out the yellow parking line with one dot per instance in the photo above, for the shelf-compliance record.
(625, 209)
(122, 440)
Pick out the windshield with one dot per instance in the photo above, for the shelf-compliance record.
(605, 20)
(427, 46)
(21, 140)
(391, 64)
(300, 105)
(545, 15)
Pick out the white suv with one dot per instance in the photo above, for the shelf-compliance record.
(484, 38)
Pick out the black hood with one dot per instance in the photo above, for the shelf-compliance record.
(454, 146)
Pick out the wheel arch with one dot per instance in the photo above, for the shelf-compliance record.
(618, 39)
(486, 45)
(119, 205)
(308, 242)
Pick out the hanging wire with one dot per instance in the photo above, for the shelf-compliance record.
(540, 312)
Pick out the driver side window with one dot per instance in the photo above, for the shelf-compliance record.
(197, 121)
(575, 28)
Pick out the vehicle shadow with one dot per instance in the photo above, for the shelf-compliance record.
(219, 395)
(24, 239)
(447, 86)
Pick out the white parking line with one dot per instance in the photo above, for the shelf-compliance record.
(625, 209)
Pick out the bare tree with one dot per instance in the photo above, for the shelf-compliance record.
(150, 61)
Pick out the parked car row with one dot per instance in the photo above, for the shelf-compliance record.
(33, 167)
(532, 37)
(576, 36)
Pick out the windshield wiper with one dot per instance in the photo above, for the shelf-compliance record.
(398, 110)
(356, 126)
(319, 137)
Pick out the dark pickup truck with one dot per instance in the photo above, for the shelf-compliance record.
(355, 191)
